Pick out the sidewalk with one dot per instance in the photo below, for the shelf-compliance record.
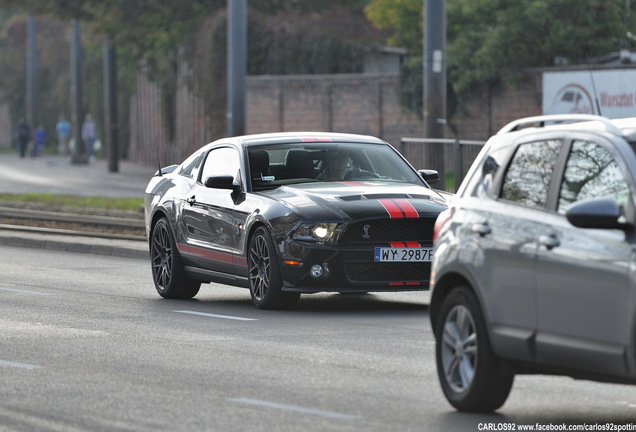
(57, 175)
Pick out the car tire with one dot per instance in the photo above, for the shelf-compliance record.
(168, 274)
(264, 274)
(468, 369)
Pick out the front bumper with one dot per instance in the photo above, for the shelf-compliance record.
(348, 268)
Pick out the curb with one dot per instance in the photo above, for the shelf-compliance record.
(77, 244)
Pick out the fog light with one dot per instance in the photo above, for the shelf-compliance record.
(316, 271)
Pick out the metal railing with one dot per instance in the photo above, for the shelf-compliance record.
(450, 157)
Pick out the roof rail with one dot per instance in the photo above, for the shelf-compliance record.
(542, 121)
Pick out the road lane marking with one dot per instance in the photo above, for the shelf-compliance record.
(215, 315)
(295, 408)
(24, 291)
(19, 365)
(38, 329)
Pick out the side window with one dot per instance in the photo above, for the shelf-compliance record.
(591, 172)
(191, 164)
(527, 180)
(482, 180)
(221, 162)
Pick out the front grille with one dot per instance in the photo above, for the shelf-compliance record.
(388, 272)
(387, 230)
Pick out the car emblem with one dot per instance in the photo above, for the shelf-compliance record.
(366, 235)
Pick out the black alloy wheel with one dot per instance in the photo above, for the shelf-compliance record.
(264, 273)
(167, 269)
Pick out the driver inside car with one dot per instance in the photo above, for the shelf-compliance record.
(335, 166)
(340, 166)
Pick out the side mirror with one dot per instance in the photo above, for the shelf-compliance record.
(490, 166)
(222, 182)
(431, 176)
(600, 213)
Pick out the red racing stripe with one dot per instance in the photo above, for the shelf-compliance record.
(304, 138)
(204, 253)
(359, 183)
(412, 244)
(407, 208)
(392, 208)
(183, 248)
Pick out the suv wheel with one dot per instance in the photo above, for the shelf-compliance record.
(467, 368)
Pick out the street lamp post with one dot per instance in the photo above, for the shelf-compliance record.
(111, 132)
(236, 66)
(435, 80)
(79, 153)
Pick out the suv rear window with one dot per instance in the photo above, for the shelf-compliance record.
(591, 172)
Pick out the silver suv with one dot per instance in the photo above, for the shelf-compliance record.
(535, 260)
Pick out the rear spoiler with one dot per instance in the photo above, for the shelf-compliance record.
(166, 170)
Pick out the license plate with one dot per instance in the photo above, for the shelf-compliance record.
(402, 254)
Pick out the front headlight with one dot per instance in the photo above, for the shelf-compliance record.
(315, 231)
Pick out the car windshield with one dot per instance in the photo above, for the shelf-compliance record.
(282, 164)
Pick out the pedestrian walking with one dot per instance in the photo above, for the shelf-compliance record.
(40, 138)
(22, 135)
(63, 128)
(89, 135)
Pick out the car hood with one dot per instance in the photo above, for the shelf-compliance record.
(360, 200)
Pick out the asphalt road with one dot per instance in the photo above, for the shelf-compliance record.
(87, 345)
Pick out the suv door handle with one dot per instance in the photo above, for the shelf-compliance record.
(482, 229)
(549, 241)
(192, 200)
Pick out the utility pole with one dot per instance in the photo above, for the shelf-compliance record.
(435, 67)
(435, 79)
(236, 66)
(31, 78)
(79, 153)
(111, 133)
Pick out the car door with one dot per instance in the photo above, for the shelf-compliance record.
(509, 227)
(583, 274)
(208, 214)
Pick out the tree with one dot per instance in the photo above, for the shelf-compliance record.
(148, 31)
(494, 40)
(173, 39)
(401, 18)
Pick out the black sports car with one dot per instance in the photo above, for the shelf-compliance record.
(290, 213)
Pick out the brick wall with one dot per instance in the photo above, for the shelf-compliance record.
(364, 104)
(368, 104)
(354, 103)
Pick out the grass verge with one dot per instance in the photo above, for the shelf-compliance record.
(77, 201)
